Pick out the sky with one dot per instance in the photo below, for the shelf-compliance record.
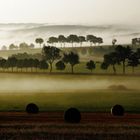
(70, 11)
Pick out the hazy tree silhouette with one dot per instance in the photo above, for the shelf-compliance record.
(92, 39)
(3, 63)
(50, 54)
(81, 40)
(60, 65)
(23, 46)
(39, 41)
(11, 62)
(99, 40)
(43, 65)
(4, 48)
(114, 41)
(62, 40)
(133, 61)
(72, 39)
(52, 40)
(12, 47)
(104, 66)
(90, 65)
(111, 59)
(123, 54)
(72, 59)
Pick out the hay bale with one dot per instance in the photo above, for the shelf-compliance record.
(72, 115)
(117, 110)
(32, 108)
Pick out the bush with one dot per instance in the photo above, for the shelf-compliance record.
(72, 115)
(117, 110)
(32, 108)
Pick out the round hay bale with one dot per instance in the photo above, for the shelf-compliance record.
(32, 108)
(72, 115)
(117, 110)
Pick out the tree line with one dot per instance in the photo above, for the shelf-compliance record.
(51, 56)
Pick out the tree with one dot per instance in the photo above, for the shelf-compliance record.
(104, 66)
(31, 46)
(11, 62)
(2, 63)
(20, 63)
(133, 61)
(136, 41)
(72, 59)
(50, 54)
(99, 40)
(60, 65)
(53, 40)
(123, 54)
(4, 48)
(90, 65)
(36, 63)
(23, 46)
(92, 39)
(111, 59)
(81, 40)
(39, 41)
(62, 39)
(114, 41)
(12, 47)
(43, 65)
(73, 39)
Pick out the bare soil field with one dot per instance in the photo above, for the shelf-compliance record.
(51, 126)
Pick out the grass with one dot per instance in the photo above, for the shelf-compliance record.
(96, 101)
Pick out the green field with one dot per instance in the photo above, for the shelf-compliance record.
(59, 92)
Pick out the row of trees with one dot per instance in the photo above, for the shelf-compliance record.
(124, 56)
(22, 46)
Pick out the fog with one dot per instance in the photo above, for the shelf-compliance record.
(25, 83)
(18, 33)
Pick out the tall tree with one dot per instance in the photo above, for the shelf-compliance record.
(92, 39)
(62, 40)
(39, 41)
(73, 39)
(50, 54)
(72, 59)
(99, 40)
(133, 61)
(123, 54)
(43, 65)
(81, 40)
(111, 59)
(90, 65)
(52, 40)
(11, 62)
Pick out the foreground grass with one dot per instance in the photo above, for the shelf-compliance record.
(96, 101)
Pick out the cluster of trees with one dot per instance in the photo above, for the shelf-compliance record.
(22, 46)
(136, 41)
(75, 39)
(124, 56)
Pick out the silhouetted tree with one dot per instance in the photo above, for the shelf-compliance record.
(111, 59)
(60, 65)
(3, 63)
(81, 40)
(43, 65)
(12, 47)
(114, 41)
(133, 61)
(92, 39)
(50, 54)
(123, 54)
(11, 62)
(73, 39)
(23, 46)
(53, 40)
(99, 40)
(32, 108)
(20, 64)
(4, 48)
(90, 65)
(39, 41)
(62, 39)
(135, 41)
(104, 66)
(72, 59)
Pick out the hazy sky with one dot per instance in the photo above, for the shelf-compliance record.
(70, 11)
